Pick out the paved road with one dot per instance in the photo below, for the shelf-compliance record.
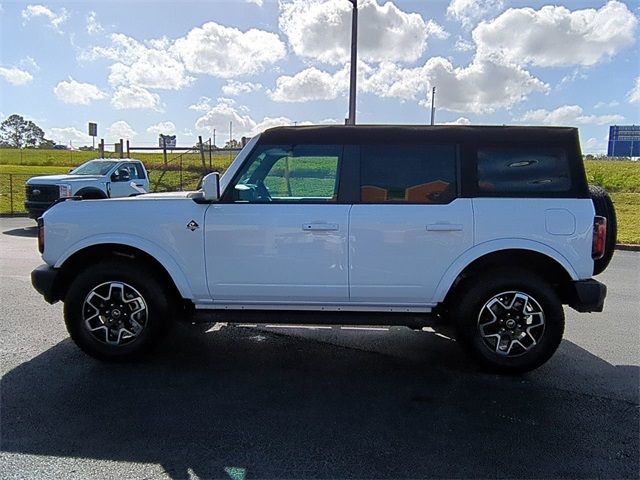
(324, 403)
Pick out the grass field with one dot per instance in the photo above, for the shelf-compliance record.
(620, 178)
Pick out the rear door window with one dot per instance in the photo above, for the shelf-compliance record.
(408, 174)
(517, 170)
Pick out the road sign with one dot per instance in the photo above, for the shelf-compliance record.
(93, 129)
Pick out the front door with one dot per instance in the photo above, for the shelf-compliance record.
(127, 180)
(279, 234)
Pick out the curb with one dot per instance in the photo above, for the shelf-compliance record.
(628, 247)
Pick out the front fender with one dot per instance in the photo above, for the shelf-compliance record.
(493, 246)
(162, 256)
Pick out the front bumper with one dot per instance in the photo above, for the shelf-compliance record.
(587, 295)
(44, 280)
(36, 209)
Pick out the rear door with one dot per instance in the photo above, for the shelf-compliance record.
(409, 224)
(279, 235)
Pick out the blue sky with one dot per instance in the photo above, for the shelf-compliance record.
(140, 68)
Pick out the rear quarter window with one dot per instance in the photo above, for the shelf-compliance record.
(517, 170)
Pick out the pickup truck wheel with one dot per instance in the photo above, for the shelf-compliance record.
(511, 321)
(115, 310)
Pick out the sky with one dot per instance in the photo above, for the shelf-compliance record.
(140, 68)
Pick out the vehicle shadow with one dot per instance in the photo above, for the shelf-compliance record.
(247, 403)
(22, 232)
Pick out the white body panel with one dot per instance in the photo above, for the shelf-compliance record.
(560, 227)
(277, 253)
(399, 253)
(155, 225)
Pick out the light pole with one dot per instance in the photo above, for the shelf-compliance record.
(354, 64)
(433, 105)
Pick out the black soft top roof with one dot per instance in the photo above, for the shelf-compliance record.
(343, 134)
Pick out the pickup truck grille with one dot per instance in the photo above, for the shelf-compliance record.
(42, 193)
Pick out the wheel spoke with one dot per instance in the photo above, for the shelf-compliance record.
(115, 313)
(511, 323)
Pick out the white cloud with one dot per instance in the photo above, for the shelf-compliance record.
(307, 85)
(202, 105)
(257, 2)
(226, 52)
(458, 121)
(234, 88)
(15, 76)
(556, 36)
(56, 20)
(221, 114)
(634, 93)
(569, 115)
(321, 30)
(93, 26)
(77, 93)
(463, 45)
(135, 97)
(593, 145)
(137, 64)
(165, 128)
(482, 86)
(468, 12)
(29, 63)
(68, 135)
(121, 129)
(611, 104)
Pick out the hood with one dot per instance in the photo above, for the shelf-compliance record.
(63, 178)
(151, 196)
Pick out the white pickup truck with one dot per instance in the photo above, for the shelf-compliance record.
(491, 229)
(95, 179)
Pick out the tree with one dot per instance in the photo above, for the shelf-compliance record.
(16, 132)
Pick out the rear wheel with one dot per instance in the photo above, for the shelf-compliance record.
(511, 321)
(116, 310)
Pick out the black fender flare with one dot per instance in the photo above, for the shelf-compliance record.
(91, 193)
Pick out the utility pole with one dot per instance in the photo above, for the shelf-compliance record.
(433, 105)
(354, 64)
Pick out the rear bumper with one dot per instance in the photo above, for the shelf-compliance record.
(587, 295)
(44, 279)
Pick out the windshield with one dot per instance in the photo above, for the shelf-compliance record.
(94, 167)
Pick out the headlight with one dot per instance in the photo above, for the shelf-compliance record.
(65, 190)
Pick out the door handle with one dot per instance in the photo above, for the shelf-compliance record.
(319, 227)
(444, 227)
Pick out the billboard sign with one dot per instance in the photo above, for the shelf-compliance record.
(93, 129)
(624, 141)
(168, 141)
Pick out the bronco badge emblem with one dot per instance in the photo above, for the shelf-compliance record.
(192, 225)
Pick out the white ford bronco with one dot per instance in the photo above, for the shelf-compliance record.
(99, 178)
(492, 229)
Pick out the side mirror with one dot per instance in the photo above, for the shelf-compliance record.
(211, 187)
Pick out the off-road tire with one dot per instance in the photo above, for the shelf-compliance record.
(154, 294)
(471, 299)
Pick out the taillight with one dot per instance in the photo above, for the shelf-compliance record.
(40, 235)
(599, 237)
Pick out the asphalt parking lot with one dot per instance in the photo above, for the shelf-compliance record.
(245, 402)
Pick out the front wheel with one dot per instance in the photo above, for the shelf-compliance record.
(116, 310)
(511, 321)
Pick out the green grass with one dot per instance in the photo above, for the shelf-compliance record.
(628, 214)
(614, 176)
